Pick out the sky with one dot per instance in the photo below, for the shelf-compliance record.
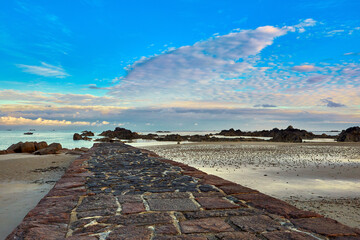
(179, 65)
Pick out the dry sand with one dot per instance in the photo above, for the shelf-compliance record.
(24, 180)
(322, 177)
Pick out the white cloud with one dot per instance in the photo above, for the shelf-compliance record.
(302, 25)
(304, 68)
(183, 73)
(39, 122)
(217, 69)
(45, 70)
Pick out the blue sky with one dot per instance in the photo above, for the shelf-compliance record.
(187, 64)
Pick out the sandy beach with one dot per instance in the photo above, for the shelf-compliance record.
(24, 180)
(322, 177)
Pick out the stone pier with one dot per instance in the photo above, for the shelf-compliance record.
(116, 191)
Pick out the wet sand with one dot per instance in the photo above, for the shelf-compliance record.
(24, 180)
(322, 177)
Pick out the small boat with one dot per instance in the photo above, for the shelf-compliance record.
(32, 130)
(28, 133)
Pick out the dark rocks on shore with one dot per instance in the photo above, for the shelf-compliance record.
(287, 137)
(27, 147)
(106, 139)
(290, 134)
(87, 133)
(231, 132)
(149, 136)
(51, 149)
(83, 136)
(77, 151)
(33, 147)
(120, 133)
(77, 137)
(351, 134)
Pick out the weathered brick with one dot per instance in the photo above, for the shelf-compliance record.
(130, 233)
(287, 236)
(222, 213)
(257, 224)
(168, 229)
(130, 208)
(325, 226)
(215, 203)
(100, 201)
(177, 204)
(205, 225)
(235, 188)
(138, 219)
(237, 236)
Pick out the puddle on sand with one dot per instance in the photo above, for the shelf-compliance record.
(16, 200)
(285, 186)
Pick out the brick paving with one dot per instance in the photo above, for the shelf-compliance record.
(116, 191)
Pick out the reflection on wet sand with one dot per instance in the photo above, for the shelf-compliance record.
(303, 174)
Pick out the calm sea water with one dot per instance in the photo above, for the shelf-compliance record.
(65, 138)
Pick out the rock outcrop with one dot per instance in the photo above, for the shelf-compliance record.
(40, 145)
(15, 148)
(349, 135)
(87, 133)
(53, 148)
(290, 134)
(32, 147)
(83, 136)
(120, 133)
(284, 136)
(106, 139)
(27, 147)
(77, 137)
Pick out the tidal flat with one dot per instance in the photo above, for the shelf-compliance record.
(24, 180)
(321, 177)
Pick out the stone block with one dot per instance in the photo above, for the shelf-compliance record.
(176, 204)
(256, 224)
(215, 203)
(325, 226)
(205, 225)
(287, 236)
(130, 208)
(130, 233)
(237, 236)
(168, 229)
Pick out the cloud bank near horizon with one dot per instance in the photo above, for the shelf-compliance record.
(221, 78)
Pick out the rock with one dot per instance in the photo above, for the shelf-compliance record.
(2, 152)
(280, 134)
(16, 148)
(87, 133)
(106, 139)
(83, 136)
(51, 149)
(120, 133)
(40, 145)
(77, 137)
(287, 137)
(349, 135)
(27, 147)
(149, 136)
(231, 132)
(173, 137)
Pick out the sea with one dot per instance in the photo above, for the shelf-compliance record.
(65, 138)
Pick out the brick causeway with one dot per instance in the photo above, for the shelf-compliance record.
(116, 191)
